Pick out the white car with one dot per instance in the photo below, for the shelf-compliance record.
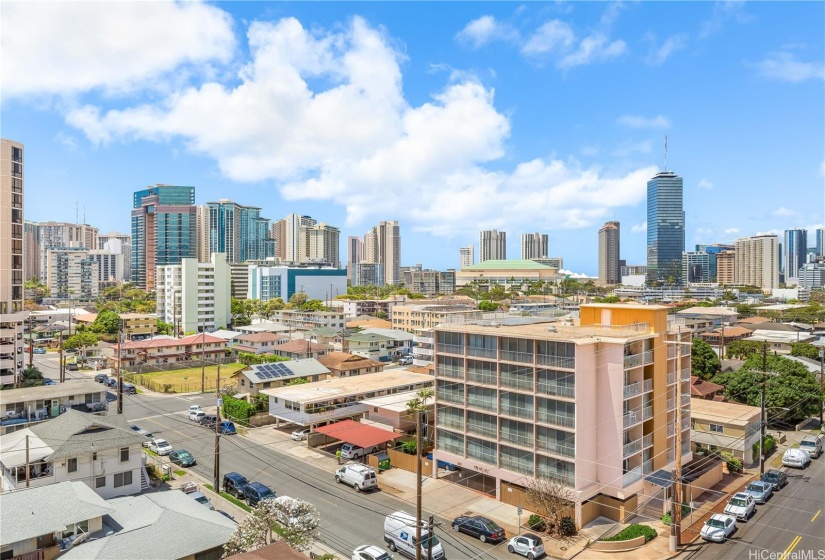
(718, 528)
(193, 412)
(160, 446)
(300, 435)
(795, 457)
(741, 506)
(405, 360)
(370, 552)
(528, 545)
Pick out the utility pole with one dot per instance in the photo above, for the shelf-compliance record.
(821, 375)
(676, 480)
(722, 346)
(27, 461)
(430, 526)
(31, 342)
(203, 358)
(418, 483)
(119, 368)
(762, 416)
(216, 469)
(62, 373)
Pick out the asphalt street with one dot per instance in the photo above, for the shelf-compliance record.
(348, 519)
(791, 526)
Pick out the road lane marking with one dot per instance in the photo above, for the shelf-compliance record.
(816, 515)
(790, 548)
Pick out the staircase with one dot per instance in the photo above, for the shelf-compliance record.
(144, 479)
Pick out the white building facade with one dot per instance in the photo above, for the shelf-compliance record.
(194, 295)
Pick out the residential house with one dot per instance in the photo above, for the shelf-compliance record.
(327, 335)
(780, 341)
(716, 337)
(725, 426)
(299, 349)
(139, 324)
(162, 526)
(25, 407)
(316, 404)
(279, 550)
(699, 388)
(373, 346)
(391, 410)
(401, 342)
(258, 343)
(102, 452)
(344, 364)
(161, 350)
(277, 374)
(264, 326)
(41, 523)
(752, 321)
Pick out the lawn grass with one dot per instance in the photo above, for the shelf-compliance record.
(187, 379)
(231, 498)
(180, 473)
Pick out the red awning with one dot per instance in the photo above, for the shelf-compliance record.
(358, 434)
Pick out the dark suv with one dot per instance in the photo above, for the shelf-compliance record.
(208, 421)
(776, 477)
(234, 484)
(254, 492)
(101, 377)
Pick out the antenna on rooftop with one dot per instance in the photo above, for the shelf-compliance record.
(665, 152)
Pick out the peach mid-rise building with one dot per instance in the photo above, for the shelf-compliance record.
(592, 405)
(726, 268)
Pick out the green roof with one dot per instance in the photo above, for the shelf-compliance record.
(514, 264)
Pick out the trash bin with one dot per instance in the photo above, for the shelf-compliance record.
(383, 461)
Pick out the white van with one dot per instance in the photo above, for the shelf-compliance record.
(399, 534)
(360, 477)
(350, 451)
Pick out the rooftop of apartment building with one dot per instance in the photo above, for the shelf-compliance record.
(723, 412)
(435, 308)
(339, 387)
(507, 264)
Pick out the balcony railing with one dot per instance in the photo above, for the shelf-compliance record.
(556, 390)
(640, 359)
(685, 376)
(671, 430)
(556, 361)
(564, 421)
(638, 388)
(685, 424)
(685, 399)
(523, 357)
(632, 447)
(482, 352)
(685, 447)
(671, 378)
(452, 373)
(671, 455)
(671, 403)
(672, 352)
(451, 349)
(647, 441)
(632, 476)
(635, 416)
(647, 467)
(556, 449)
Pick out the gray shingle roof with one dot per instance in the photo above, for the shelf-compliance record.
(162, 526)
(26, 514)
(74, 433)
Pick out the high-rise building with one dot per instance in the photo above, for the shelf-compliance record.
(591, 406)
(12, 312)
(164, 230)
(712, 251)
(368, 274)
(114, 241)
(533, 245)
(820, 242)
(355, 252)
(552, 262)
(316, 281)
(467, 256)
(757, 261)
(812, 276)
(323, 244)
(71, 274)
(795, 251)
(492, 246)
(109, 263)
(31, 250)
(726, 268)
(193, 295)
(695, 267)
(665, 228)
(382, 245)
(58, 235)
(239, 232)
(609, 248)
(419, 280)
(277, 232)
(295, 237)
(202, 233)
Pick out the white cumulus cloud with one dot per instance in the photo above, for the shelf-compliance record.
(484, 30)
(732, 230)
(553, 35)
(784, 212)
(658, 54)
(322, 115)
(638, 121)
(784, 66)
(639, 228)
(68, 47)
(705, 184)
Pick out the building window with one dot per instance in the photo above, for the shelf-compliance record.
(717, 428)
(123, 479)
(100, 482)
(72, 465)
(124, 454)
(94, 456)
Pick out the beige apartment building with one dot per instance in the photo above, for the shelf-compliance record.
(139, 324)
(12, 313)
(756, 261)
(725, 268)
(592, 405)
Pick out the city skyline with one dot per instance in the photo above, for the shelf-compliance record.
(512, 160)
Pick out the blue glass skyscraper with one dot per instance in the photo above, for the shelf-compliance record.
(795, 252)
(665, 228)
(239, 231)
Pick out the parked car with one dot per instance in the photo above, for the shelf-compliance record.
(201, 499)
(813, 445)
(111, 382)
(182, 457)
(39, 350)
(254, 492)
(71, 350)
(528, 545)
(227, 428)
(718, 528)
(48, 381)
(370, 552)
(778, 479)
(482, 527)
(796, 457)
(741, 506)
(71, 366)
(405, 360)
(301, 435)
(148, 435)
(101, 377)
(208, 421)
(350, 451)
(234, 484)
(160, 446)
(399, 534)
(360, 477)
(129, 389)
(760, 491)
(195, 413)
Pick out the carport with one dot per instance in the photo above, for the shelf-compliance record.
(360, 435)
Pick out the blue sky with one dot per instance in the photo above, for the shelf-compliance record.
(448, 117)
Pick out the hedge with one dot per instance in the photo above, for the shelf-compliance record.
(236, 409)
(633, 531)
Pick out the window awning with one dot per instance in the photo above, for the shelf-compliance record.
(360, 435)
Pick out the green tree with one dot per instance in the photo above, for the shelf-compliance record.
(703, 360)
(298, 381)
(313, 305)
(271, 306)
(240, 312)
(297, 300)
(805, 350)
(106, 322)
(32, 377)
(607, 299)
(486, 305)
(741, 349)
(164, 327)
(80, 341)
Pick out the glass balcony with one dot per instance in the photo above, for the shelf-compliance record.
(685, 376)
(632, 447)
(671, 403)
(451, 349)
(640, 359)
(481, 352)
(523, 357)
(632, 476)
(671, 378)
(555, 419)
(556, 361)
(638, 388)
